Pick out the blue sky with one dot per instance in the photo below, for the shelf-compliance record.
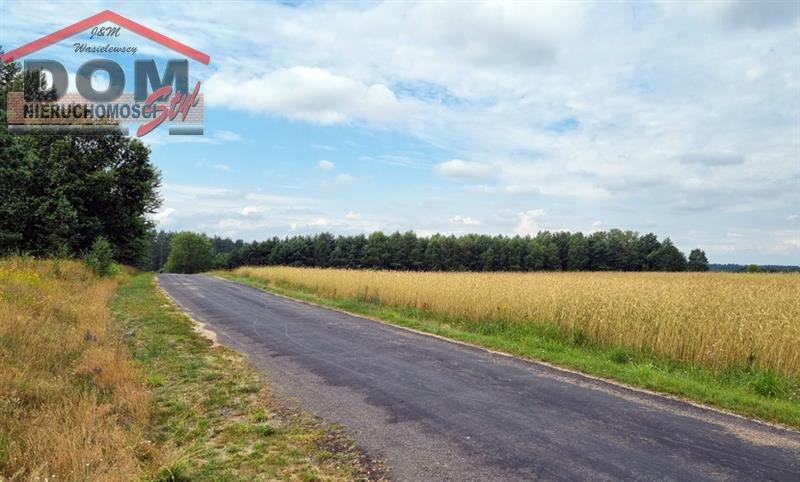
(679, 118)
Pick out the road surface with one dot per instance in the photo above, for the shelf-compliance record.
(435, 410)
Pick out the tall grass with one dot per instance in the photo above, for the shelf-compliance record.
(72, 406)
(714, 320)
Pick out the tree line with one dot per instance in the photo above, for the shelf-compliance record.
(613, 250)
(754, 268)
(62, 194)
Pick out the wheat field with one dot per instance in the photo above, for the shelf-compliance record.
(713, 320)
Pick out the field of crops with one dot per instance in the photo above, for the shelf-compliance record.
(714, 320)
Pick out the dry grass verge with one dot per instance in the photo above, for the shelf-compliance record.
(72, 404)
(139, 395)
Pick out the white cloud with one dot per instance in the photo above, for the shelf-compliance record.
(353, 216)
(789, 245)
(482, 188)
(326, 165)
(311, 94)
(465, 220)
(458, 169)
(792, 217)
(161, 216)
(528, 221)
(247, 210)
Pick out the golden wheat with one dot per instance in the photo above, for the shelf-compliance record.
(72, 406)
(715, 320)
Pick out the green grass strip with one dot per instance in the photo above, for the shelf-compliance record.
(212, 413)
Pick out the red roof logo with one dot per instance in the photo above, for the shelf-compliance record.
(106, 16)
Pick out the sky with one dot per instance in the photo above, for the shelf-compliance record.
(677, 118)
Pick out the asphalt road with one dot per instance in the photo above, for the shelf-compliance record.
(436, 410)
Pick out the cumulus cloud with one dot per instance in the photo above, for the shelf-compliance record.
(311, 94)
(789, 245)
(247, 210)
(528, 221)
(161, 216)
(458, 169)
(326, 165)
(353, 216)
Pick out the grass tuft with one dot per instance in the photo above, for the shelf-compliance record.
(769, 384)
(621, 355)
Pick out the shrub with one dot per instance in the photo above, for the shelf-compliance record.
(189, 253)
(101, 258)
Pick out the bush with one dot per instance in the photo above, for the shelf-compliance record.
(101, 258)
(189, 253)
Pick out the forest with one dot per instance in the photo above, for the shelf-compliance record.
(613, 250)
